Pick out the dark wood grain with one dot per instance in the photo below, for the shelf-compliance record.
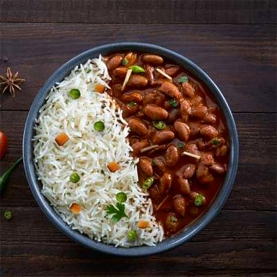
(140, 11)
(240, 59)
(234, 42)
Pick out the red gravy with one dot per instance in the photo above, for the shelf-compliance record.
(187, 119)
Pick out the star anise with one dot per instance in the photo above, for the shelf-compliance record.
(11, 82)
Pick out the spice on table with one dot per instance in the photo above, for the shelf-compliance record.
(4, 177)
(8, 215)
(11, 82)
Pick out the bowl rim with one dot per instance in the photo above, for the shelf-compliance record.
(193, 228)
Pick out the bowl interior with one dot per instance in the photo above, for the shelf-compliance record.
(192, 228)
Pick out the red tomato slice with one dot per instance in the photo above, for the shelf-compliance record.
(3, 144)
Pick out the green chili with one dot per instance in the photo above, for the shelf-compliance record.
(99, 126)
(160, 125)
(148, 183)
(132, 235)
(74, 178)
(74, 93)
(137, 69)
(199, 200)
(121, 197)
(4, 177)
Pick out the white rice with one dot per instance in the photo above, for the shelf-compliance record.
(88, 152)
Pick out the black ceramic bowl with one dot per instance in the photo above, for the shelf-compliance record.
(190, 230)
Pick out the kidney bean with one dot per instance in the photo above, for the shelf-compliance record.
(208, 131)
(152, 59)
(172, 70)
(159, 165)
(131, 58)
(199, 111)
(188, 90)
(184, 185)
(173, 115)
(145, 165)
(188, 171)
(207, 159)
(203, 174)
(171, 155)
(138, 126)
(165, 183)
(179, 204)
(137, 146)
(193, 194)
(201, 144)
(221, 151)
(114, 62)
(134, 96)
(218, 168)
(170, 89)
(210, 118)
(182, 130)
(197, 100)
(129, 110)
(155, 194)
(154, 97)
(154, 112)
(160, 137)
(185, 109)
(193, 149)
(120, 72)
(171, 222)
(137, 81)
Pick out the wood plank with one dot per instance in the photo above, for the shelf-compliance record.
(250, 225)
(29, 241)
(142, 12)
(37, 50)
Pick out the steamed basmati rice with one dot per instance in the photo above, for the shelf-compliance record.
(88, 152)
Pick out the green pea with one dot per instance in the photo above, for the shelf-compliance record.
(121, 197)
(99, 126)
(74, 178)
(132, 235)
(8, 215)
(199, 200)
(160, 125)
(148, 183)
(74, 93)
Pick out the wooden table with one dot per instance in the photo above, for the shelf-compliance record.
(234, 42)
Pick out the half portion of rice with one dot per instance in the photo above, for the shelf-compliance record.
(87, 153)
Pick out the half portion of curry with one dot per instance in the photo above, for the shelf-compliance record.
(177, 131)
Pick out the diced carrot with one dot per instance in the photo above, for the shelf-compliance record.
(99, 88)
(113, 166)
(76, 208)
(142, 224)
(61, 138)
